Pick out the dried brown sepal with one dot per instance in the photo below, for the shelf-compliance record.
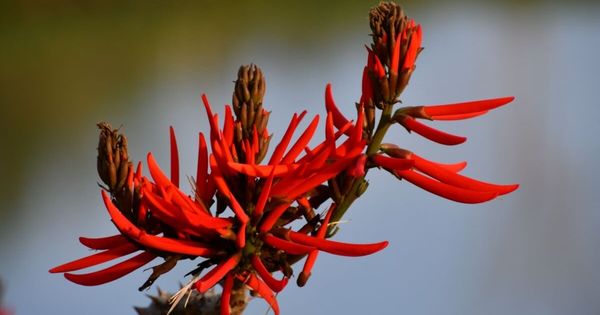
(161, 269)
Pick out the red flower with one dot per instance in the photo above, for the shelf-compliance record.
(255, 239)
(185, 226)
(442, 180)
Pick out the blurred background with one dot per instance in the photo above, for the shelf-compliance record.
(67, 65)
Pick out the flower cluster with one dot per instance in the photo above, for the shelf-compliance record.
(249, 220)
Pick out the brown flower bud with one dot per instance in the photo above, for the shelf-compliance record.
(248, 96)
(396, 45)
(251, 118)
(114, 167)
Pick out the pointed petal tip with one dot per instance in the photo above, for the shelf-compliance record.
(509, 188)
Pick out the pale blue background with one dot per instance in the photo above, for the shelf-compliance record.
(536, 251)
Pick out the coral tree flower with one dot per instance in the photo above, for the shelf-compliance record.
(247, 220)
(253, 242)
(390, 62)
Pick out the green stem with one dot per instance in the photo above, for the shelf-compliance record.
(359, 184)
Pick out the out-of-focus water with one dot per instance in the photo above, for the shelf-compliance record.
(535, 251)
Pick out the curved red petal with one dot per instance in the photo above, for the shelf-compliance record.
(453, 167)
(278, 170)
(107, 242)
(216, 274)
(287, 246)
(302, 141)
(446, 176)
(112, 273)
(447, 191)
(431, 133)
(97, 258)
(339, 120)
(395, 60)
(312, 256)
(392, 163)
(174, 158)
(226, 294)
(202, 168)
(263, 290)
(274, 284)
(228, 126)
(467, 107)
(337, 248)
(222, 185)
(151, 241)
(285, 140)
(264, 195)
(157, 174)
(413, 48)
(458, 116)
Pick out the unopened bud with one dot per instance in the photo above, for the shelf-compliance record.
(396, 45)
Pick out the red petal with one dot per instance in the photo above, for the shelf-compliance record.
(413, 49)
(312, 256)
(274, 284)
(151, 241)
(379, 69)
(196, 223)
(222, 185)
(338, 118)
(302, 141)
(264, 195)
(214, 126)
(216, 274)
(325, 144)
(157, 174)
(228, 126)
(287, 246)
(459, 116)
(330, 131)
(431, 133)
(97, 258)
(263, 290)
(202, 170)
(280, 149)
(395, 60)
(367, 87)
(444, 190)
(370, 61)
(226, 294)
(104, 242)
(337, 248)
(174, 158)
(112, 273)
(263, 170)
(358, 169)
(457, 180)
(138, 172)
(357, 132)
(392, 163)
(303, 186)
(455, 167)
(130, 177)
(272, 217)
(467, 107)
